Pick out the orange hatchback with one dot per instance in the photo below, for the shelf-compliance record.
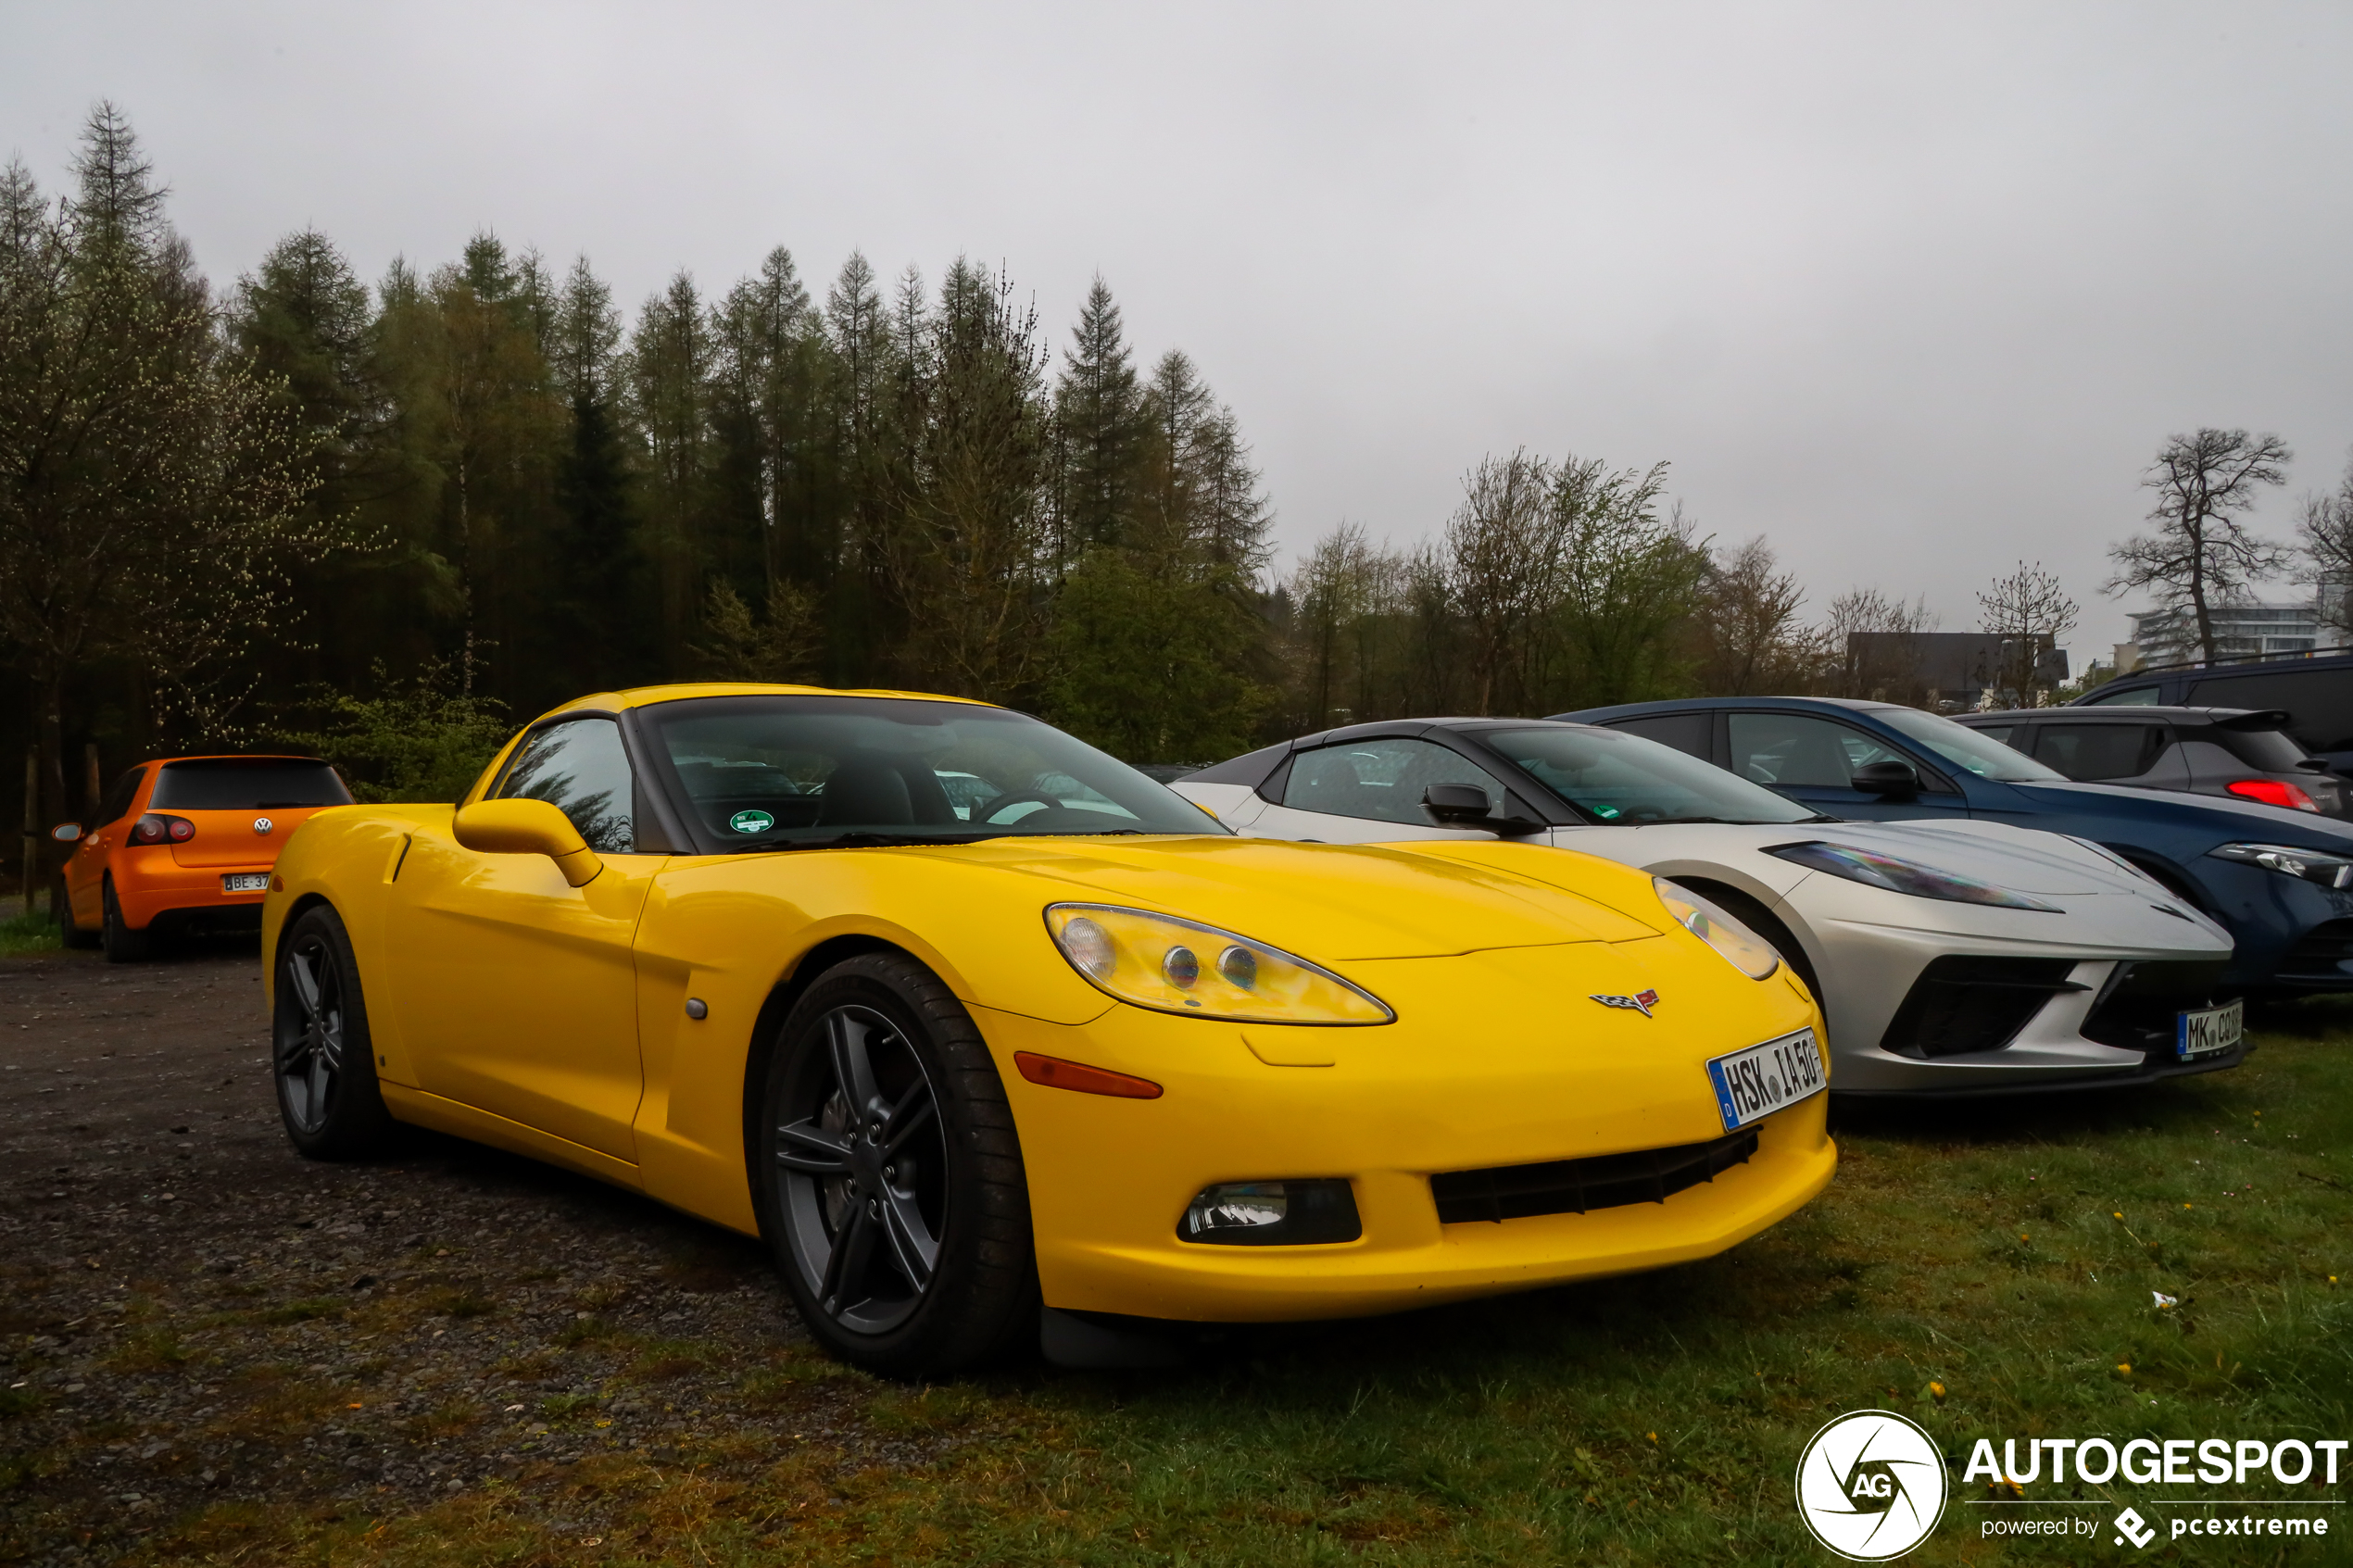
(185, 845)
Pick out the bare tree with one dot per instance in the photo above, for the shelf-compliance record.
(2029, 611)
(1751, 638)
(2326, 551)
(1504, 547)
(1872, 644)
(2201, 553)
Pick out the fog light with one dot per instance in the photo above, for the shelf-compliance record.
(1285, 1213)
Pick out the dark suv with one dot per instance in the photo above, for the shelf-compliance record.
(2198, 750)
(2315, 694)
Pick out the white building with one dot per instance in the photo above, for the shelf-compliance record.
(2260, 630)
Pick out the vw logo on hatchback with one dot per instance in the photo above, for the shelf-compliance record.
(261, 825)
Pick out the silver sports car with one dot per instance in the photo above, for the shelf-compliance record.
(1948, 956)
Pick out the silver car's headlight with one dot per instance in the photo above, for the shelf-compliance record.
(2312, 865)
(1874, 870)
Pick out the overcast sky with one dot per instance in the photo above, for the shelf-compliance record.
(1914, 292)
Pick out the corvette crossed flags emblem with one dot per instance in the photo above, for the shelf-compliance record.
(1640, 1001)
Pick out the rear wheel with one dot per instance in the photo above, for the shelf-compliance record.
(322, 1056)
(123, 944)
(61, 910)
(889, 1176)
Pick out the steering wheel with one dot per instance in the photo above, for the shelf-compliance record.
(1014, 797)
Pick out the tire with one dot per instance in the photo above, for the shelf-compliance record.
(61, 909)
(902, 1231)
(323, 1060)
(123, 944)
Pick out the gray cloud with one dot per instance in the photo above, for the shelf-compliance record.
(1915, 293)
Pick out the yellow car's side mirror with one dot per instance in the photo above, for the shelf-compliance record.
(528, 827)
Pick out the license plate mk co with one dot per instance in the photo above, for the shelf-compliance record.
(245, 881)
(2209, 1031)
(1751, 1084)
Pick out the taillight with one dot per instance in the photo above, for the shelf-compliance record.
(157, 828)
(2273, 792)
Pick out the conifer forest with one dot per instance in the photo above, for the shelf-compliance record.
(389, 519)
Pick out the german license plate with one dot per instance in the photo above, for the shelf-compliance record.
(245, 881)
(2209, 1031)
(1751, 1084)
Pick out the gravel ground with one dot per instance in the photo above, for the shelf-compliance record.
(192, 1315)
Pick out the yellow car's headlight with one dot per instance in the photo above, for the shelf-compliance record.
(1741, 948)
(1180, 966)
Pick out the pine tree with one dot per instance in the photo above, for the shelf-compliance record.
(1100, 429)
(670, 369)
(601, 615)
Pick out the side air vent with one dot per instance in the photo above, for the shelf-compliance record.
(1960, 1005)
(1579, 1186)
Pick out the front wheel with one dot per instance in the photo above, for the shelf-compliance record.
(321, 1057)
(889, 1176)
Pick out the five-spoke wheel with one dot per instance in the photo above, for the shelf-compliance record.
(892, 1186)
(321, 1056)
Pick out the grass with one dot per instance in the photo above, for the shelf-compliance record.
(32, 932)
(1988, 1270)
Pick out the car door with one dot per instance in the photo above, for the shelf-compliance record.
(1370, 792)
(516, 991)
(1812, 759)
(86, 867)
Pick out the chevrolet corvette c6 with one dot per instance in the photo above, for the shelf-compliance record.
(968, 1020)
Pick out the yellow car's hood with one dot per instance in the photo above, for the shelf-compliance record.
(1332, 902)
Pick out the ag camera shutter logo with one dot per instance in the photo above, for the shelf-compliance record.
(1870, 1485)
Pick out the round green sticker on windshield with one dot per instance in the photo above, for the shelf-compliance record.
(751, 822)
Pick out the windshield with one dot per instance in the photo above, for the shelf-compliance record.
(770, 772)
(1626, 780)
(1964, 747)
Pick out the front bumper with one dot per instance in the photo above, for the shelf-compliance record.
(1109, 1179)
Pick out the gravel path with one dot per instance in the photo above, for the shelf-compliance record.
(191, 1313)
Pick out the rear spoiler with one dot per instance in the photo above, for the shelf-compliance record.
(2254, 718)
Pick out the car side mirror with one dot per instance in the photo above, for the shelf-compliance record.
(66, 833)
(1465, 806)
(1456, 805)
(527, 827)
(1895, 781)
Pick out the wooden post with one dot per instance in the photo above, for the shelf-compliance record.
(91, 788)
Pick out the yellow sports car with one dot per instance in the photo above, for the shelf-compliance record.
(968, 1020)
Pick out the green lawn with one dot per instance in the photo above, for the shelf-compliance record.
(2005, 1254)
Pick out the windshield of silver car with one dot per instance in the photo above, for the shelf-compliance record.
(773, 773)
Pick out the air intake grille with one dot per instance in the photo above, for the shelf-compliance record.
(1578, 1186)
(2324, 956)
(1959, 1006)
(2137, 1010)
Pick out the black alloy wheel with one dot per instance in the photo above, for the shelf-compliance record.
(61, 910)
(123, 944)
(890, 1180)
(321, 1057)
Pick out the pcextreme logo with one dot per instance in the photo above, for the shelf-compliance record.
(1870, 1485)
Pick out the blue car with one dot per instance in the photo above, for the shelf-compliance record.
(2280, 882)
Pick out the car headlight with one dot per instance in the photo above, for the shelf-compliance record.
(1874, 870)
(2312, 865)
(1740, 947)
(1180, 966)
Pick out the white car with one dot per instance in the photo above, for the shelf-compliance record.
(1948, 956)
